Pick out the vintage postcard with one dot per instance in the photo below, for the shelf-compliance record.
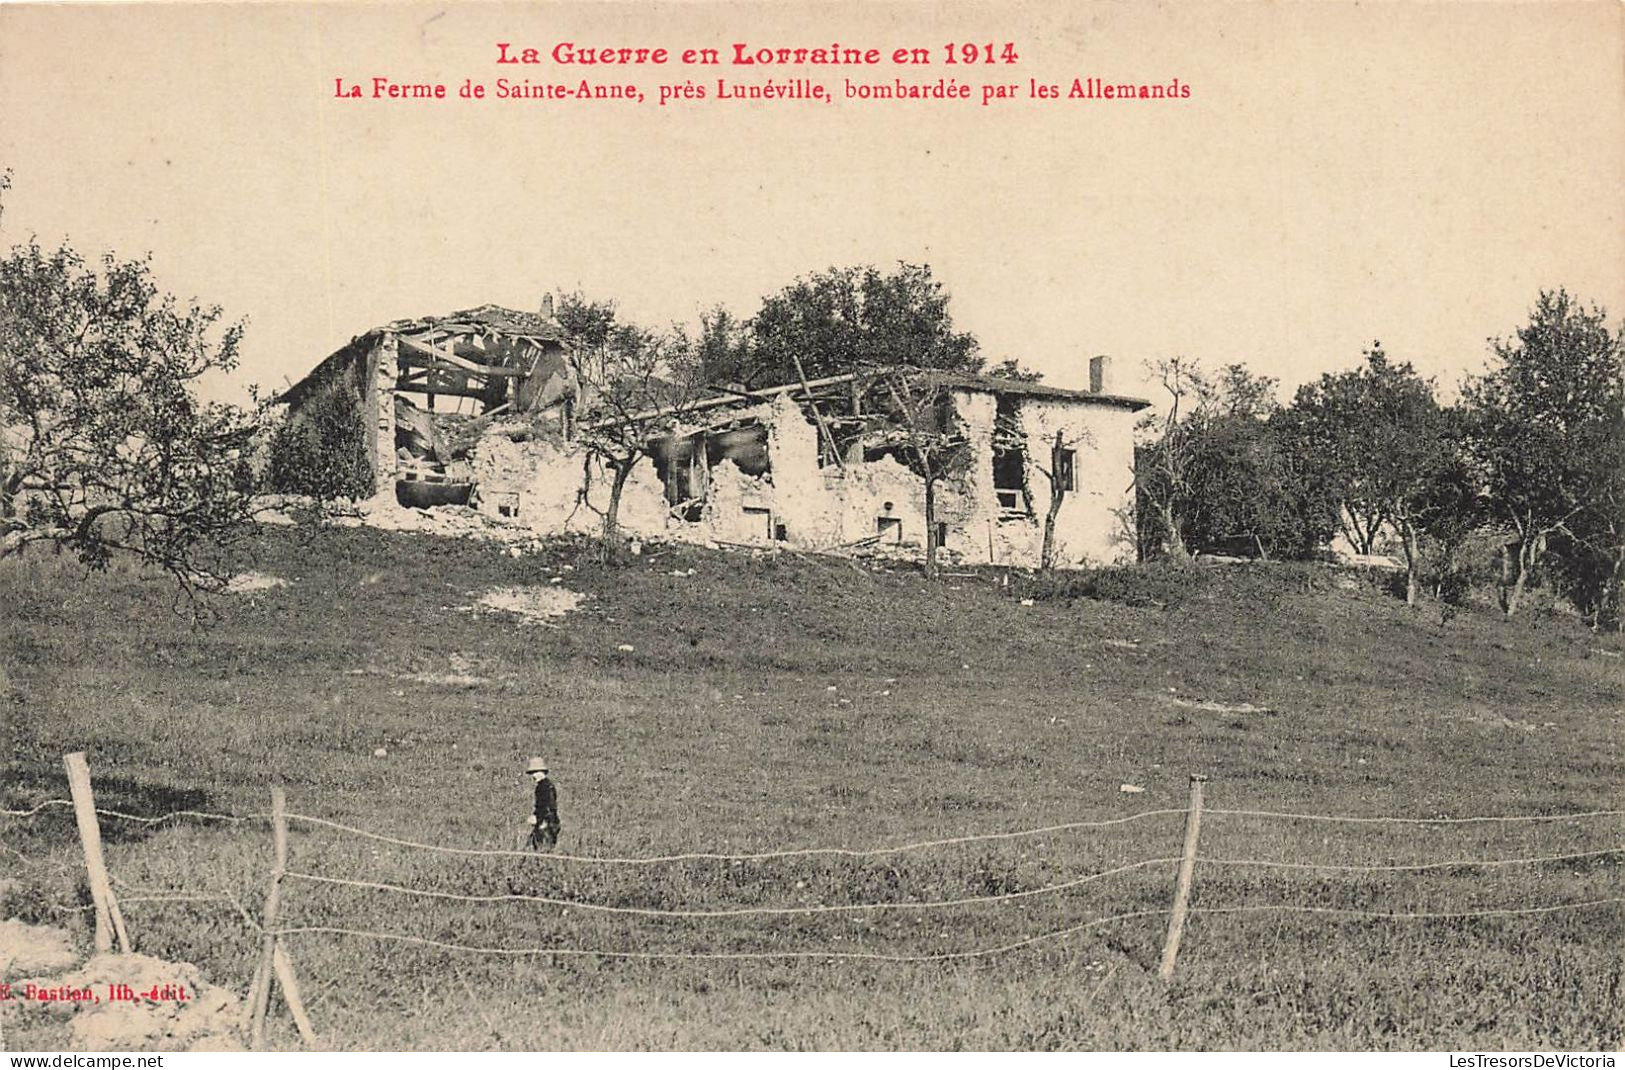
(812, 526)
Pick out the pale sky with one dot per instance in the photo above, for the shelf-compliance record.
(1414, 173)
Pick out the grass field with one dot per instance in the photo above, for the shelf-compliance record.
(787, 702)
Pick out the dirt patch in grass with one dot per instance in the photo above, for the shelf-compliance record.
(253, 582)
(446, 679)
(1209, 706)
(532, 605)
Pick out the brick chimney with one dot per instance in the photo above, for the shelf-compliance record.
(547, 305)
(1099, 370)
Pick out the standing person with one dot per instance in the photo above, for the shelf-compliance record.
(545, 819)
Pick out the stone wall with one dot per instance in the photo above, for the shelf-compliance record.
(1087, 527)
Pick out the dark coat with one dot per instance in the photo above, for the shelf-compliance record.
(547, 803)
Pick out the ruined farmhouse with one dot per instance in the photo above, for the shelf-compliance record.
(488, 409)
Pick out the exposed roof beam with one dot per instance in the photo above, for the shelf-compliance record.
(451, 362)
(736, 398)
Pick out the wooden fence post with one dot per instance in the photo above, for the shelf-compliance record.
(109, 919)
(260, 996)
(1182, 890)
(290, 992)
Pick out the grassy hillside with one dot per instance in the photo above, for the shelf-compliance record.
(787, 702)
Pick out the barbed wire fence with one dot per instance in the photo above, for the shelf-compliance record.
(274, 935)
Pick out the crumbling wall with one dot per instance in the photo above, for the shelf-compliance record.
(800, 501)
(865, 493)
(325, 446)
(1086, 528)
(536, 479)
(978, 533)
(643, 500)
(379, 405)
(740, 507)
(531, 480)
(836, 505)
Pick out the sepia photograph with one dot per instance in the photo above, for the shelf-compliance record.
(673, 525)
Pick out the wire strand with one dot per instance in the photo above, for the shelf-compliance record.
(710, 856)
(37, 809)
(222, 897)
(733, 911)
(1409, 916)
(125, 899)
(132, 817)
(1411, 820)
(233, 818)
(866, 956)
(1475, 862)
(41, 863)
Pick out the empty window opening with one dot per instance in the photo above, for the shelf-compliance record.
(758, 521)
(681, 461)
(889, 528)
(744, 445)
(1010, 480)
(942, 533)
(880, 451)
(1010, 460)
(507, 503)
(1066, 469)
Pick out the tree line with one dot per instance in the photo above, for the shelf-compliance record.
(1529, 458)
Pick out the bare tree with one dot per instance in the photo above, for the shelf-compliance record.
(1062, 474)
(933, 442)
(637, 385)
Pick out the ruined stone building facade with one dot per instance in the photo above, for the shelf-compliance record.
(485, 409)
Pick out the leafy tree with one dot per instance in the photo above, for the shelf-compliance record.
(1249, 494)
(1448, 512)
(104, 445)
(723, 346)
(1214, 472)
(1589, 549)
(1375, 442)
(1165, 467)
(1012, 369)
(637, 385)
(1237, 391)
(1546, 423)
(835, 320)
(589, 325)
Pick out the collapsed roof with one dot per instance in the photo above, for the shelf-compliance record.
(475, 353)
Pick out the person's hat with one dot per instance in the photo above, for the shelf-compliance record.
(536, 765)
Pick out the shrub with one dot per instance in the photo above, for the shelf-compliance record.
(321, 450)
